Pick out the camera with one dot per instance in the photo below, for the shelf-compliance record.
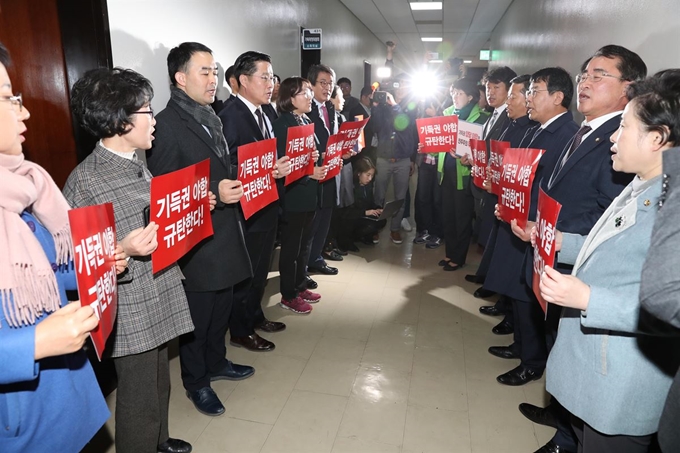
(380, 97)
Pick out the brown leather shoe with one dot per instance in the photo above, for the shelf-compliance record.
(252, 342)
(271, 326)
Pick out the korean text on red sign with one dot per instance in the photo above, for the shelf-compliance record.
(180, 206)
(544, 251)
(479, 162)
(345, 141)
(299, 147)
(496, 164)
(519, 168)
(255, 164)
(438, 134)
(93, 231)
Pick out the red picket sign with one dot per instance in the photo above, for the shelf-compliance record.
(255, 163)
(345, 141)
(299, 148)
(93, 232)
(438, 134)
(479, 163)
(333, 157)
(519, 169)
(466, 133)
(544, 251)
(180, 206)
(361, 143)
(496, 164)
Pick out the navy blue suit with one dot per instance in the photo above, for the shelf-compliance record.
(240, 128)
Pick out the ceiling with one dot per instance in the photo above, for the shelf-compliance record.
(464, 25)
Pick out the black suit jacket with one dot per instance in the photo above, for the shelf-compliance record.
(498, 128)
(512, 261)
(240, 128)
(221, 260)
(327, 190)
(587, 183)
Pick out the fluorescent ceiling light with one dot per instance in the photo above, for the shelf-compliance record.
(436, 61)
(431, 39)
(383, 73)
(425, 6)
(467, 61)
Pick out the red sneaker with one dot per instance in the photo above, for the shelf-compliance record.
(296, 305)
(310, 297)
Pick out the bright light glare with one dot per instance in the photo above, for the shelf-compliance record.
(424, 84)
(425, 6)
(431, 39)
(436, 61)
(383, 73)
(467, 61)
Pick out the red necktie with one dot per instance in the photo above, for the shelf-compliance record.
(326, 118)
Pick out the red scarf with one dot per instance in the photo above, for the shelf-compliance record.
(28, 286)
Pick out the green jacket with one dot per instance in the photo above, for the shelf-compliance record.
(477, 115)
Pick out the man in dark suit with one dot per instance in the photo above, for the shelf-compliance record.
(325, 120)
(350, 101)
(548, 100)
(244, 122)
(188, 132)
(585, 183)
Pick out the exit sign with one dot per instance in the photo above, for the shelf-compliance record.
(311, 39)
(484, 54)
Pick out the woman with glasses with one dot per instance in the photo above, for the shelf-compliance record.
(299, 201)
(49, 396)
(609, 367)
(114, 106)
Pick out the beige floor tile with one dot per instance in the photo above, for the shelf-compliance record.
(262, 397)
(356, 445)
(329, 375)
(374, 421)
(436, 431)
(340, 348)
(229, 435)
(439, 335)
(381, 385)
(308, 423)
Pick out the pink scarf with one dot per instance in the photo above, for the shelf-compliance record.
(28, 286)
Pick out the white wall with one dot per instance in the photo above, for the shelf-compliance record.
(144, 31)
(538, 33)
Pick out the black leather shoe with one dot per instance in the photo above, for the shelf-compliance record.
(325, 269)
(253, 343)
(206, 401)
(233, 372)
(443, 262)
(350, 247)
(450, 267)
(472, 278)
(519, 376)
(490, 310)
(539, 415)
(482, 293)
(271, 326)
(551, 447)
(503, 328)
(311, 284)
(504, 352)
(342, 251)
(174, 446)
(332, 256)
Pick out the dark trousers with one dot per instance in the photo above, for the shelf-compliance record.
(591, 441)
(407, 202)
(457, 212)
(487, 218)
(203, 351)
(320, 227)
(483, 268)
(296, 233)
(247, 310)
(529, 334)
(355, 229)
(142, 401)
(428, 201)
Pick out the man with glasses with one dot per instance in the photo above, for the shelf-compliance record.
(244, 121)
(585, 183)
(325, 120)
(188, 132)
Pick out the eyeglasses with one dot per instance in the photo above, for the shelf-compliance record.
(513, 96)
(144, 112)
(14, 100)
(533, 92)
(306, 93)
(325, 84)
(595, 77)
(266, 78)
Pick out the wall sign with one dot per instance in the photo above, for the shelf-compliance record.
(311, 39)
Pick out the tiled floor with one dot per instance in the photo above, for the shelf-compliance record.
(393, 359)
